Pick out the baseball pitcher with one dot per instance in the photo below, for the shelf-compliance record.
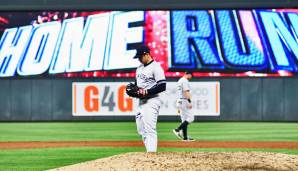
(150, 81)
(184, 107)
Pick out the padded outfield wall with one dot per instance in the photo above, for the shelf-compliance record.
(242, 98)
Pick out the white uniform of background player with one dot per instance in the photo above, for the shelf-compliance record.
(150, 77)
(184, 107)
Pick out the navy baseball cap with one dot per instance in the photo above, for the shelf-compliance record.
(141, 50)
(188, 72)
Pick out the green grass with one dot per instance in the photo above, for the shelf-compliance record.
(41, 159)
(95, 131)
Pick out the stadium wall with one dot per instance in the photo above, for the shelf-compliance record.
(242, 99)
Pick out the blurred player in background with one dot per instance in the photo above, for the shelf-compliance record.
(184, 107)
(150, 79)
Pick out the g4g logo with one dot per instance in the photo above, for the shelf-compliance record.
(99, 99)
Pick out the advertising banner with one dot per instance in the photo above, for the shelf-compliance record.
(109, 98)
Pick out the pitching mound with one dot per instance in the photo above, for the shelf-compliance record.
(191, 161)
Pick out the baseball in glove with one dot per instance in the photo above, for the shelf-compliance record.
(132, 90)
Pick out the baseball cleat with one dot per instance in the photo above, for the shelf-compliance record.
(188, 139)
(177, 133)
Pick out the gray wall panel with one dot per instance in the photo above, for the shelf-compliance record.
(5, 100)
(41, 100)
(144, 4)
(62, 103)
(251, 99)
(230, 91)
(21, 100)
(291, 99)
(273, 99)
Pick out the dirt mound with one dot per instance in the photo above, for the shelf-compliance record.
(191, 161)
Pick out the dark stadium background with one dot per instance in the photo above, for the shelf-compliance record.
(242, 99)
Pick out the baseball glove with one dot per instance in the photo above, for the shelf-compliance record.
(132, 90)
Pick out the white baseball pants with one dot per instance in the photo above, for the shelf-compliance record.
(146, 120)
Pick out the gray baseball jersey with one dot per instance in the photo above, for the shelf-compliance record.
(182, 85)
(149, 75)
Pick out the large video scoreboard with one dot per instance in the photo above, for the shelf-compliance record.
(257, 42)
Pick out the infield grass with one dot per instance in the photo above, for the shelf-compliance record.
(122, 131)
